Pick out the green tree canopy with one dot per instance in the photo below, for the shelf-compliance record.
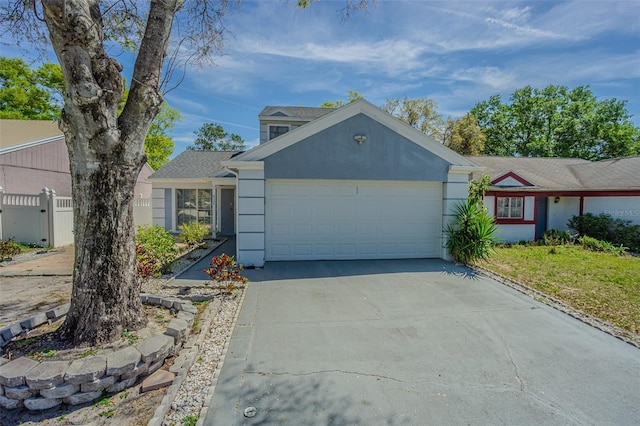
(36, 94)
(421, 113)
(27, 94)
(158, 145)
(464, 136)
(353, 96)
(557, 122)
(212, 137)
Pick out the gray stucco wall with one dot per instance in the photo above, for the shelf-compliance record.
(334, 154)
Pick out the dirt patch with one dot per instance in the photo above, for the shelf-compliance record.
(21, 297)
(43, 344)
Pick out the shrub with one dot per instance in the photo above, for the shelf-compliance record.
(605, 228)
(224, 269)
(158, 245)
(553, 237)
(593, 244)
(9, 248)
(145, 264)
(193, 233)
(471, 236)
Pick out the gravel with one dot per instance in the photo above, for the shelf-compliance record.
(199, 380)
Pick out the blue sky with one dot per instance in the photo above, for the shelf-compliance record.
(457, 53)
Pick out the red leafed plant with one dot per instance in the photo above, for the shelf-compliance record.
(224, 269)
(145, 264)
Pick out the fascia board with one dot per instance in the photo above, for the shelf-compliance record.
(515, 176)
(31, 144)
(267, 119)
(244, 165)
(176, 180)
(419, 138)
(465, 169)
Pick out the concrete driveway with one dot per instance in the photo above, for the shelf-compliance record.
(415, 342)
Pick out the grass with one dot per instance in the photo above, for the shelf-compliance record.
(190, 420)
(604, 285)
(201, 307)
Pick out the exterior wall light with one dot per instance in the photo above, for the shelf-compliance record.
(360, 139)
(556, 200)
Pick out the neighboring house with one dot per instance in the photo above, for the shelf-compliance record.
(33, 155)
(531, 195)
(349, 183)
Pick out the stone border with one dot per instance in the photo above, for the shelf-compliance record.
(620, 333)
(43, 385)
(9, 332)
(184, 362)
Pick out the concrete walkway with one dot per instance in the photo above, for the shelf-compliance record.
(194, 275)
(58, 261)
(414, 342)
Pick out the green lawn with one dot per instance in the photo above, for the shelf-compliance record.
(601, 284)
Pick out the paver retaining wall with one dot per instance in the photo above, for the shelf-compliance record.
(42, 385)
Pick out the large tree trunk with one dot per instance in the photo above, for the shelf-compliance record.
(106, 153)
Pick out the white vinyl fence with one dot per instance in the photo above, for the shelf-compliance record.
(46, 219)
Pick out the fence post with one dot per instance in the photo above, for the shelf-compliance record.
(51, 209)
(45, 228)
(1, 200)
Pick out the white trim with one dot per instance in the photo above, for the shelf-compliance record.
(180, 181)
(360, 106)
(465, 169)
(31, 144)
(232, 165)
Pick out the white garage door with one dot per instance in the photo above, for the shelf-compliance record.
(316, 219)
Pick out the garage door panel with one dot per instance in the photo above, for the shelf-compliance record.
(352, 220)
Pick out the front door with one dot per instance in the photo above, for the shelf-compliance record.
(227, 211)
(541, 216)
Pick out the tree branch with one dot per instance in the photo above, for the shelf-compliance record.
(145, 99)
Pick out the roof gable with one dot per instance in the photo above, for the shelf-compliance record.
(344, 113)
(510, 179)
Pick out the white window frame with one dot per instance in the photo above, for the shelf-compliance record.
(197, 207)
(511, 206)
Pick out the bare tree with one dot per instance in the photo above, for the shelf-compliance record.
(106, 149)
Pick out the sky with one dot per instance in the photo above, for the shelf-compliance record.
(456, 53)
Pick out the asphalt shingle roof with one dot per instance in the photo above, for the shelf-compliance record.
(565, 173)
(307, 113)
(610, 174)
(194, 165)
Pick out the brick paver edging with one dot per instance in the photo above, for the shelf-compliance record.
(43, 385)
(622, 334)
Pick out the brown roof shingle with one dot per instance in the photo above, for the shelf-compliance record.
(566, 173)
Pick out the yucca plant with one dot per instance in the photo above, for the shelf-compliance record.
(471, 236)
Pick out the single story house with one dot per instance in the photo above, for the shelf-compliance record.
(529, 196)
(347, 183)
(33, 155)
